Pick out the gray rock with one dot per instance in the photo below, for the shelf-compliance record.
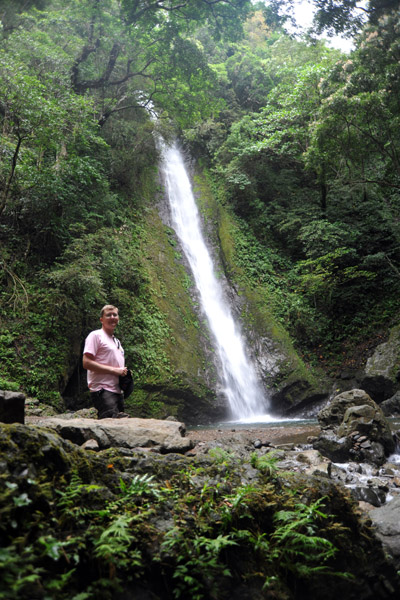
(91, 445)
(332, 414)
(373, 496)
(354, 428)
(12, 407)
(386, 522)
(164, 436)
(333, 447)
(382, 371)
(391, 407)
(315, 463)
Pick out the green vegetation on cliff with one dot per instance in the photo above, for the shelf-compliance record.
(311, 170)
(299, 145)
(253, 271)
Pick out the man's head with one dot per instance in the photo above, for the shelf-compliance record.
(109, 318)
(108, 308)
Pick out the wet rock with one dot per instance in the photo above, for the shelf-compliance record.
(316, 464)
(12, 407)
(373, 496)
(342, 475)
(309, 462)
(335, 448)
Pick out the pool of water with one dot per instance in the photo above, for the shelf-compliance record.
(265, 421)
(257, 424)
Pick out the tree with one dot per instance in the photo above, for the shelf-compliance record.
(11, 10)
(356, 136)
(349, 16)
(50, 169)
(146, 51)
(275, 139)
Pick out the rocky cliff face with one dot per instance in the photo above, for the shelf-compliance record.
(167, 340)
(288, 385)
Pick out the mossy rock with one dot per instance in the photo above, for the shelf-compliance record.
(382, 371)
(189, 401)
(289, 384)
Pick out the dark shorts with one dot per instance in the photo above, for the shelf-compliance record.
(108, 404)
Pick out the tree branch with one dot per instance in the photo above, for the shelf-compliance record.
(86, 51)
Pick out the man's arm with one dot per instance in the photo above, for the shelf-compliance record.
(91, 365)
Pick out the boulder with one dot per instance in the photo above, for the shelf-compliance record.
(391, 407)
(382, 371)
(12, 407)
(162, 436)
(332, 414)
(386, 523)
(354, 428)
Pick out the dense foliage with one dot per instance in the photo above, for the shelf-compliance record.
(78, 84)
(308, 157)
(301, 144)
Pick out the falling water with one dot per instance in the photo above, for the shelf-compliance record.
(245, 396)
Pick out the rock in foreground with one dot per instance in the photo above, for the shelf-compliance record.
(124, 524)
(387, 524)
(162, 436)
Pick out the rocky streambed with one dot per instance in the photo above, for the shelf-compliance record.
(352, 444)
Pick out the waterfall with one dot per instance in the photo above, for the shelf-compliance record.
(395, 457)
(241, 387)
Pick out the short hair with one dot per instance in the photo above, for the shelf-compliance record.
(107, 307)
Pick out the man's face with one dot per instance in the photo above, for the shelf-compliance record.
(109, 320)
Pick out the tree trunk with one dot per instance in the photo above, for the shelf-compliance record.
(10, 177)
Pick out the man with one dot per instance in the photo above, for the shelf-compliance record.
(103, 357)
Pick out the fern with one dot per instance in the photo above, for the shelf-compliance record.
(295, 544)
(198, 567)
(265, 463)
(114, 547)
(70, 497)
(115, 539)
(221, 456)
(141, 485)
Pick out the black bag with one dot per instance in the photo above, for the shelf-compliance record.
(126, 383)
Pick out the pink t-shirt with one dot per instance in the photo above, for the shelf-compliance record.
(106, 351)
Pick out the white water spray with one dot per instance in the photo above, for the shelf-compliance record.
(241, 387)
